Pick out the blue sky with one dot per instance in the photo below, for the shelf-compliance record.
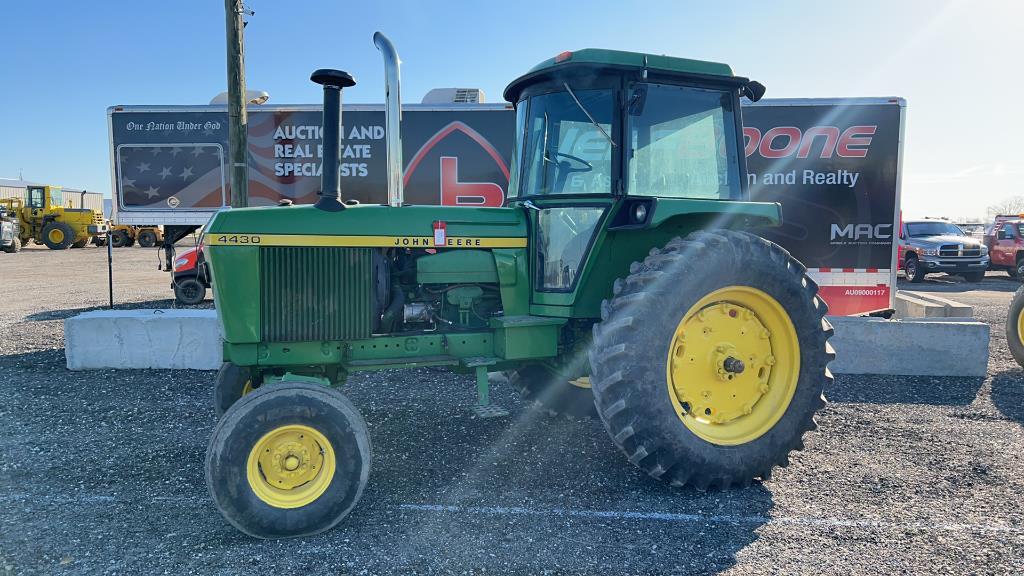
(957, 63)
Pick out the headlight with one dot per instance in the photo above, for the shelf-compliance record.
(180, 262)
(929, 251)
(640, 213)
(984, 250)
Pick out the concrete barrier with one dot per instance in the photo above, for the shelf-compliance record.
(910, 347)
(938, 306)
(143, 339)
(191, 339)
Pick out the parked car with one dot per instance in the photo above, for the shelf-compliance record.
(929, 245)
(191, 276)
(1005, 242)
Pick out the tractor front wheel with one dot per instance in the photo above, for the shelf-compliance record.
(288, 460)
(233, 382)
(119, 239)
(58, 235)
(711, 374)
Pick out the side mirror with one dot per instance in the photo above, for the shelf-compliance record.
(753, 90)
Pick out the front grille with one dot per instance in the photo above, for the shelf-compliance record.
(947, 250)
(314, 293)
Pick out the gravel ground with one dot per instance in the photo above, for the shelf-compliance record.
(101, 472)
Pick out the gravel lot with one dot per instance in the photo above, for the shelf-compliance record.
(101, 472)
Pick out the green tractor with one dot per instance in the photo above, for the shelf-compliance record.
(620, 278)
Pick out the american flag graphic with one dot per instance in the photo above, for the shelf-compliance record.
(168, 175)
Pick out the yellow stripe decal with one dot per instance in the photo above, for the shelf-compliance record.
(360, 241)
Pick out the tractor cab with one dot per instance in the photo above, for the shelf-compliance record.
(613, 143)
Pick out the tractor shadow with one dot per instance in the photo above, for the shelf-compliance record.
(163, 304)
(538, 488)
(1008, 394)
(883, 389)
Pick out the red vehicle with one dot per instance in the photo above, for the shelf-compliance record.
(191, 276)
(1005, 241)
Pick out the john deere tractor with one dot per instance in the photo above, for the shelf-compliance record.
(621, 274)
(45, 218)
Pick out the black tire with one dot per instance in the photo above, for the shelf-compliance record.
(912, 268)
(15, 246)
(1017, 272)
(553, 392)
(189, 291)
(1013, 332)
(323, 409)
(119, 238)
(232, 383)
(99, 241)
(974, 276)
(147, 239)
(629, 359)
(80, 243)
(66, 236)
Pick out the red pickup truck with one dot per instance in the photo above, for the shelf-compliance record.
(1005, 241)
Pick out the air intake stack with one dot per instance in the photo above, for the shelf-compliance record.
(333, 82)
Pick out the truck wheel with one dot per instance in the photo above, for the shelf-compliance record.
(14, 247)
(290, 459)
(119, 238)
(558, 394)
(711, 375)
(58, 235)
(233, 382)
(147, 239)
(189, 291)
(974, 276)
(912, 268)
(1015, 326)
(80, 243)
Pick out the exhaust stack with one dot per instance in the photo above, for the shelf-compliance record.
(333, 82)
(393, 118)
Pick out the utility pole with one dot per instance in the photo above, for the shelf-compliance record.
(238, 119)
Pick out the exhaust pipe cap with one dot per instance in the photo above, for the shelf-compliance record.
(330, 77)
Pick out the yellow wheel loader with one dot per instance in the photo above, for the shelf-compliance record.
(46, 218)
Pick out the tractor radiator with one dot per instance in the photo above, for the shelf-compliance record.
(312, 293)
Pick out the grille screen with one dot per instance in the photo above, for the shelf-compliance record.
(312, 293)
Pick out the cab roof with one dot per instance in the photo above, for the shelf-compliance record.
(619, 60)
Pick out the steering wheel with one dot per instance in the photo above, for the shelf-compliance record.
(565, 168)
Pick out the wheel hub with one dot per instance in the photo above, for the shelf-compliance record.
(724, 374)
(291, 466)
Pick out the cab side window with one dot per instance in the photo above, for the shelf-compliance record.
(35, 198)
(1006, 232)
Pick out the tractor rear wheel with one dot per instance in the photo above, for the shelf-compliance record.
(1015, 326)
(558, 393)
(58, 235)
(711, 375)
(189, 291)
(233, 382)
(119, 238)
(290, 459)
(147, 239)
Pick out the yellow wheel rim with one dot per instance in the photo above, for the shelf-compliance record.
(247, 387)
(291, 466)
(733, 365)
(1020, 326)
(55, 235)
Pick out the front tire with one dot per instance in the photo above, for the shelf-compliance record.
(58, 235)
(14, 247)
(119, 238)
(912, 268)
(974, 276)
(711, 375)
(233, 382)
(288, 460)
(80, 243)
(189, 291)
(147, 239)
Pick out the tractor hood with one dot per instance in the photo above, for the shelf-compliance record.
(370, 226)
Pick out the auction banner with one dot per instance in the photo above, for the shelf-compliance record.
(834, 165)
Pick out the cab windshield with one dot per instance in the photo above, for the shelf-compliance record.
(918, 229)
(682, 142)
(567, 148)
